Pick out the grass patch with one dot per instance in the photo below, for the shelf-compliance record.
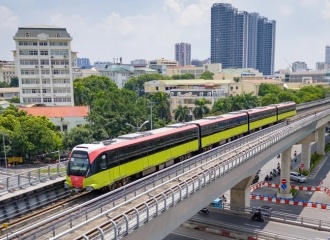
(293, 191)
(327, 148)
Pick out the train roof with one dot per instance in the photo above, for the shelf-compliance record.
(136, 137)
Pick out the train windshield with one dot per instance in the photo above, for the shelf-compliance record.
(78, 164)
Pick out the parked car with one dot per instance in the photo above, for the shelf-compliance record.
(295, 176)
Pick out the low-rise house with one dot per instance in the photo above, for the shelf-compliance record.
(64, 118)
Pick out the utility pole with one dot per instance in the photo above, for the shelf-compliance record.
(4, 149)
(151, 105)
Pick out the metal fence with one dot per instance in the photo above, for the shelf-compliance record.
(32, 177)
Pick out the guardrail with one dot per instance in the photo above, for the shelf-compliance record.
(138, 216)
(237, 232)
(282, 217)
(35, 176)
(68, 217)
(32, 177)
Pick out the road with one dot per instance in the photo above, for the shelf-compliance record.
(321, 172)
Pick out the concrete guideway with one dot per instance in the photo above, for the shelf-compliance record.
(166, 199)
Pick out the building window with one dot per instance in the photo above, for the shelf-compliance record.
(58, 35)
(44, 52)
(27, 34)
(236, 87)
(58, 128)
(156, 88)
(47, 100)
(65, 128)
(43, 43)
(231, 88)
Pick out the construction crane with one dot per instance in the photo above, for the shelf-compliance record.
(289, 64)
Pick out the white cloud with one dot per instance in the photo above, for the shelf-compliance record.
(286, 9)
(325, 13)
(7, 18)
(309, 3)
(173, 5)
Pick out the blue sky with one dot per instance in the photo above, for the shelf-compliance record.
(134, 29)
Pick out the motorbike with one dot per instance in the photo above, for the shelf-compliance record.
(268, 178)
(205, 211)
(257, 217)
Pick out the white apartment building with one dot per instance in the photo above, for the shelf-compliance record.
(7, 71)
(43, 62)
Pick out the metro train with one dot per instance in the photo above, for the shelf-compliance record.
(109, 164)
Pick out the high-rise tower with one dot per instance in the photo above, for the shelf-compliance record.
(327, 54)
(183, 53)
(241, 39)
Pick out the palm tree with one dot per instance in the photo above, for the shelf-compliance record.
(162, 104)
(181, 114)
(201, 109)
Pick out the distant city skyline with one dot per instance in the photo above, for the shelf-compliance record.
(148, 29)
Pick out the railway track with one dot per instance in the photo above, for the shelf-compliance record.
(61, 204)
(62, 223)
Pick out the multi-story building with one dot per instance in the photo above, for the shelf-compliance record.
(299, 66)
(83, 63)
(242, 39)
(7, 71)
(102, 65)
(160, 65)
(83, 73)
(43, 62)
(308, 76)
(197, 71)
(121, 73)
(182, 53)
(327, 54)
(139, 63)
(322, 66)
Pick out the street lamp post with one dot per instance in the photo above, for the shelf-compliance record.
(151, 105)
(4, 149)
(137, 128)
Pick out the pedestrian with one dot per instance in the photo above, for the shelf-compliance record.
(295, 153)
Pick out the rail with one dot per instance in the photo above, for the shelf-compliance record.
(32, 177)
(22, 180)
(143, 213)
(151, 180)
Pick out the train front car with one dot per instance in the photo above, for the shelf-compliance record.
(78, 168)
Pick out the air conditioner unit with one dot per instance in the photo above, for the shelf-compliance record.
(65, 66)
(42, 66)
(65, 56)
(51, 57)
(36, 66)
(52, 66)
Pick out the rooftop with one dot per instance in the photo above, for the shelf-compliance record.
(51, 112)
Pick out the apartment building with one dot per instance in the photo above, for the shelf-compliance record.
(7, 71)
(182, 53)
(43, 63)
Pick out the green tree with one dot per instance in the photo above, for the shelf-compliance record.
(268, 99)
(162, 104)
(76, 136)
(28, 134)
(4, 85)
(86, 90)
(207, 75)
(14, 100)
(136, 84)
(287, 96)
(223, 105)
(266, 88)
(201, 109)
(181, 114)
(184, 76)
(14, 82)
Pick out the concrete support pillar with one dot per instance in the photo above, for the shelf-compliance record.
(306, 153)
(240, 193)
(320, 140)
(285, 174)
